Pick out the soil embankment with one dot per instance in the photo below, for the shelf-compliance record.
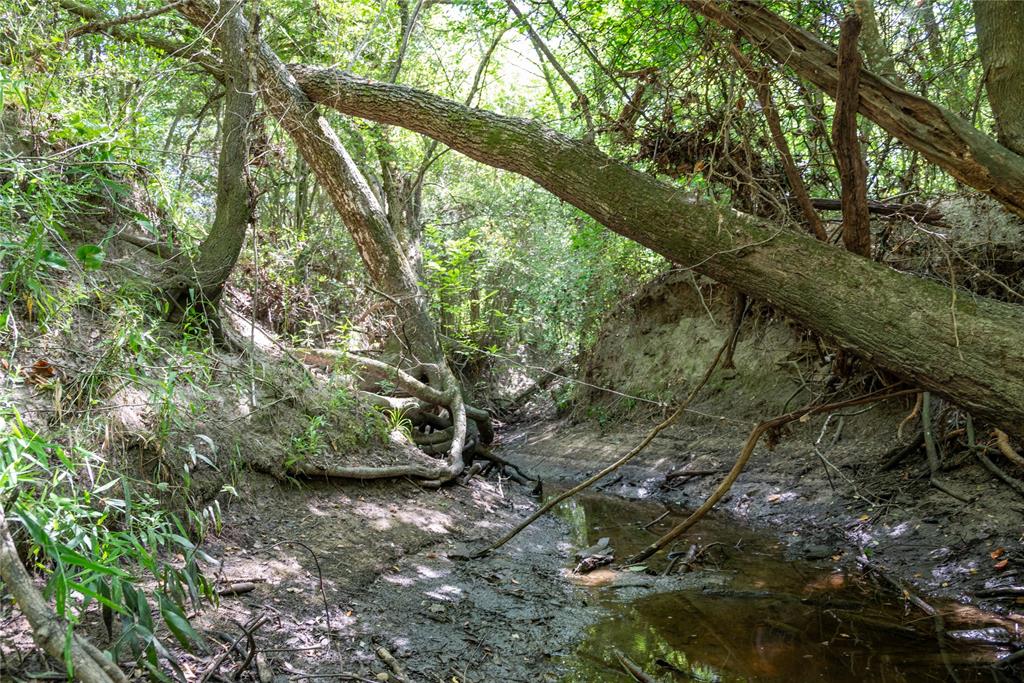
(832, 485)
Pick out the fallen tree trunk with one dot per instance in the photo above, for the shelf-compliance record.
(967, 349)
(944, 138)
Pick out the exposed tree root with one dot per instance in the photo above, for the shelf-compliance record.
(934, 461)
(668, 422)
(450, 434)
(359, 472)
(89, 664)
(745, 453)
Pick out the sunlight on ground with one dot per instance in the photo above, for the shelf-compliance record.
(383, 518)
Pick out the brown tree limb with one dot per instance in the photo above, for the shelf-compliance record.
(635, 451)
(941, 136)
(759, 80)
(1003, 442)
(849, 157)
(190, 51)
(1013, 482)
(919, 213)
(748, 449)
(906, 325)
(105, 25)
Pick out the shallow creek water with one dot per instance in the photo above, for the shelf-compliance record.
(747, 613)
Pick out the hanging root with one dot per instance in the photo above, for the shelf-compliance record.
(48, 631)
(1003, 442)
(741, 462)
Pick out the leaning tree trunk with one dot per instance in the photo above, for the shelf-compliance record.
(968, 349)
(375, 238)
(941, 136)
(1000, 29)
(201, 282)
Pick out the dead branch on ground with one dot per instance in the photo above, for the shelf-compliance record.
(748, 449)
(668, 422)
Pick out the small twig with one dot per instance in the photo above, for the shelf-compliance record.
(632, 668)
(934, 460)
(1014, 483)
(690, 473)
(320, 580)
(1005, 592)
(937, 620)
(657, 519)
(101, 26)
(247, 630)
(252, 650)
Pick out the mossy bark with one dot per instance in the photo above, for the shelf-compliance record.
(1000, 29)
(201, 282)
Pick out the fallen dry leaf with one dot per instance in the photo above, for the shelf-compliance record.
(40, 371)
(1002, 564)
(997, 553)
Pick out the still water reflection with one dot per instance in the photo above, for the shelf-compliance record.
(748, 613)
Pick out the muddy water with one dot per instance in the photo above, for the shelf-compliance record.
(747, 612)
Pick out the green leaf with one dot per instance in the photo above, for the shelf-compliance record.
(91, 256)
(178, 625)
(54, 260)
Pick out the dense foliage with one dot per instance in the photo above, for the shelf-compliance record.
(102, 136)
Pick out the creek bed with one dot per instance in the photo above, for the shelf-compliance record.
(747, 612)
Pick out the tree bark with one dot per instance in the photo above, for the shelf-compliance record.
(1000, 28)
(878, 56)
(378, 245)
(203, 280)
(849, 157)
(970, 350)
(48, 631)
(938, 134)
